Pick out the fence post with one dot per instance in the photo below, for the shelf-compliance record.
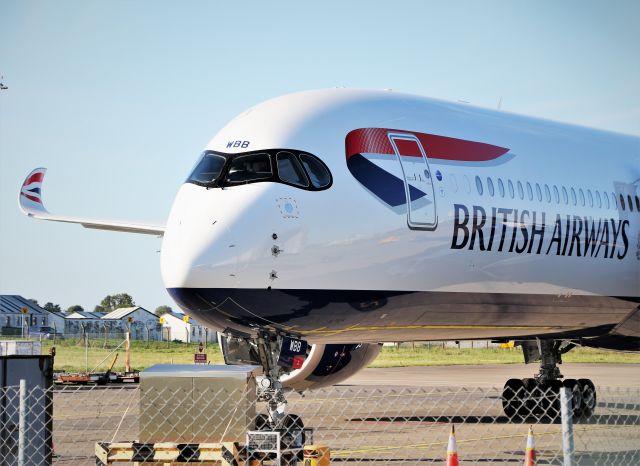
(566, 413)
(86, 352)
(22, 422)
(127, 351)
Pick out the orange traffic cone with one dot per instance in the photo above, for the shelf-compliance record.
(452, 448)
(530, 453)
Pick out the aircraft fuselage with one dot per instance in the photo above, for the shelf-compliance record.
(440, 221)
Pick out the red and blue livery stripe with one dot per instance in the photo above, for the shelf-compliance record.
(364, 142)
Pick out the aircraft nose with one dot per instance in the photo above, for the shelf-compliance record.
(193, 257)
(197, 248)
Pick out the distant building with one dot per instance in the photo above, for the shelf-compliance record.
(85, 315)
(175, 328)
(12, 320)
(142, 323)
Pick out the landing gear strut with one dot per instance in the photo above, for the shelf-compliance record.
(539, 397)
(269, 388)
(278, 354)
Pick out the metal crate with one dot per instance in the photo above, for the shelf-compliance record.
(284, 446)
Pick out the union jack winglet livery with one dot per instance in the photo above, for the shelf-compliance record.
(31, 192)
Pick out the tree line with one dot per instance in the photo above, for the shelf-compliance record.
(108, 304)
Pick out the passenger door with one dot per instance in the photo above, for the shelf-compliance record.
(419, 189)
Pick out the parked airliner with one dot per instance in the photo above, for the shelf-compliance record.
(344, 218)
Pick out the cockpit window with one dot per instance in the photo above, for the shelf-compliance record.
(248, 168)
(316, 170)
(291, 167)
(290, 170)
(208, 169)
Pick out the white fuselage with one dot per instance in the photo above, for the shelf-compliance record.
(470, 257)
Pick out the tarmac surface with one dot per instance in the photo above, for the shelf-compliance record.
(492, 375)
(396, 416)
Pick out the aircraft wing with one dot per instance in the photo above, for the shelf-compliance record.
(30, 202)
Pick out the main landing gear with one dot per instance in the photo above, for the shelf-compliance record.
(539, 397)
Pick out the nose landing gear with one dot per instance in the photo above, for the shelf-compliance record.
(539, 397)
(277, 435)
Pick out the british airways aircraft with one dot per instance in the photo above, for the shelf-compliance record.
(344, 218)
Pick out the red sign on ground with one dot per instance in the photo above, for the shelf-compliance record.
(200, 358)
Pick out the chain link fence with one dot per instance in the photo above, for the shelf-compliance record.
(361, 425)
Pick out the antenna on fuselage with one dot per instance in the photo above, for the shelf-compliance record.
(500, 103)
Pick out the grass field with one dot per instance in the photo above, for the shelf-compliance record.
(71, 357)
(438, 356)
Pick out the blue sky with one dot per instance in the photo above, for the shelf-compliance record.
(118, 98)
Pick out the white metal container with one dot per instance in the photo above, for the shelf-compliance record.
(20, 348)
(197, 403)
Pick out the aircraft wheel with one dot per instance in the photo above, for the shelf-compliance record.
(550, 400)
(293, 426)
(533, 395)
(588, 397)
(576, 396)
(262, 422)
(293, 423)
(513, 396)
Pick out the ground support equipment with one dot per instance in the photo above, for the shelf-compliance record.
(279, 447)
(168, 453)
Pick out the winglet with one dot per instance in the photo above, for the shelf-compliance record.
(30, 198)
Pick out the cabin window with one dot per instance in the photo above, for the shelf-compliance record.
(500, 187)
(538, 192)
(547, 193)
(565, 196)
(453, 183)
(614, 201)
(529, 191)
(466, 183)
(520, 190)
(581, 196)
(318, 173)
(290, 170)
(574, 199)
(490, 186)
(638, 203)
(479, 185)
(605, 196)
(630, 202)
(622, 206)
(590, 198)
(511, 191)
(598, 199)
(556, 194)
